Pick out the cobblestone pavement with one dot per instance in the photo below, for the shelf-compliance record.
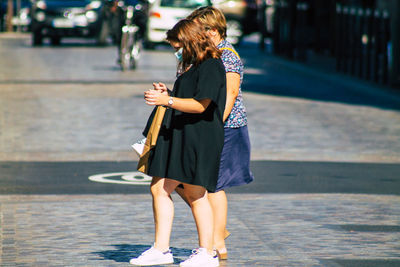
(95, 122)
(86, 109)
(267, 230)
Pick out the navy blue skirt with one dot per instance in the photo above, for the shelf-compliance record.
(234, 167)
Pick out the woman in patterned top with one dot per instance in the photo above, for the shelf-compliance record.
(235, 158)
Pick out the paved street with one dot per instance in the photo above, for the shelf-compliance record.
(72, 103)
(268, 230)
(325, 155)
(271, 177)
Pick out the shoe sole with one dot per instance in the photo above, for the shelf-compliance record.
(152, 264)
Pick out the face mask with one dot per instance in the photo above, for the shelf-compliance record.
(178, 54)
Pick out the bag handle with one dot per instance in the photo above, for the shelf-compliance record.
(230, 49)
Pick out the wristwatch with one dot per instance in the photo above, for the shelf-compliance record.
(170, 101)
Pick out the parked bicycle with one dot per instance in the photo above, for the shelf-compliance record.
(131, 44)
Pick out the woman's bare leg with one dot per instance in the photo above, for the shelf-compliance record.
(219, 204)
(163, 210)
(202, 213)
(181, 193)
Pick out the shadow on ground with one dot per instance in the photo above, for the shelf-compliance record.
(268, 74)
(125, 252)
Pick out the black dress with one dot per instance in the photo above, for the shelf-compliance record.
(189, 145)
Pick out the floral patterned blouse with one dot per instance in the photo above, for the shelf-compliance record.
(237, 118)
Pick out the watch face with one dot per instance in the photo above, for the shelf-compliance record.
(170, 101)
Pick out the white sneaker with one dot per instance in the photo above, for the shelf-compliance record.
(201, 258)
(153, 256)
(139, 146)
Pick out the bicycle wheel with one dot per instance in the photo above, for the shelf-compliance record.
(135, 52)
(125, 54)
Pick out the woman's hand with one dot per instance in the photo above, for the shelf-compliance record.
(156, 98)
(161, 87)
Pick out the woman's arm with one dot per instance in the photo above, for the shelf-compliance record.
(188, 105)
(232, 91)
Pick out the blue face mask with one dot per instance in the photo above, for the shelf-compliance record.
(178, 54)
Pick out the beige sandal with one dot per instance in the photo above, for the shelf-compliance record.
(222, 256)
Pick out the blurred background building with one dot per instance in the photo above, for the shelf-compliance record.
(356, 37)
(362, 36)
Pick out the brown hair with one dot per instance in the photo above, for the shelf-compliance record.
(196, 45)
(211, 18)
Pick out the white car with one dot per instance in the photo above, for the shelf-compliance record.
(164, 14)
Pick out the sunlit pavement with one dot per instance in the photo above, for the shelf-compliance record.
(326, 156)
(267, 230)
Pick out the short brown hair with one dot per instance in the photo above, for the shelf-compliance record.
(196, 45)
(211, 18)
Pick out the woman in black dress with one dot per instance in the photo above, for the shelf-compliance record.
(190, 142)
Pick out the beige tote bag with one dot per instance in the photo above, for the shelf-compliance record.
(151, 139)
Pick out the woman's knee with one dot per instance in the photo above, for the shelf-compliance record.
(157, 187)
(161, 187)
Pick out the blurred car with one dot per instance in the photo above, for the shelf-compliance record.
(68, 18)
(235, 13)
(164, 14)
(22, 20)
(21, 15)
(244, 17)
